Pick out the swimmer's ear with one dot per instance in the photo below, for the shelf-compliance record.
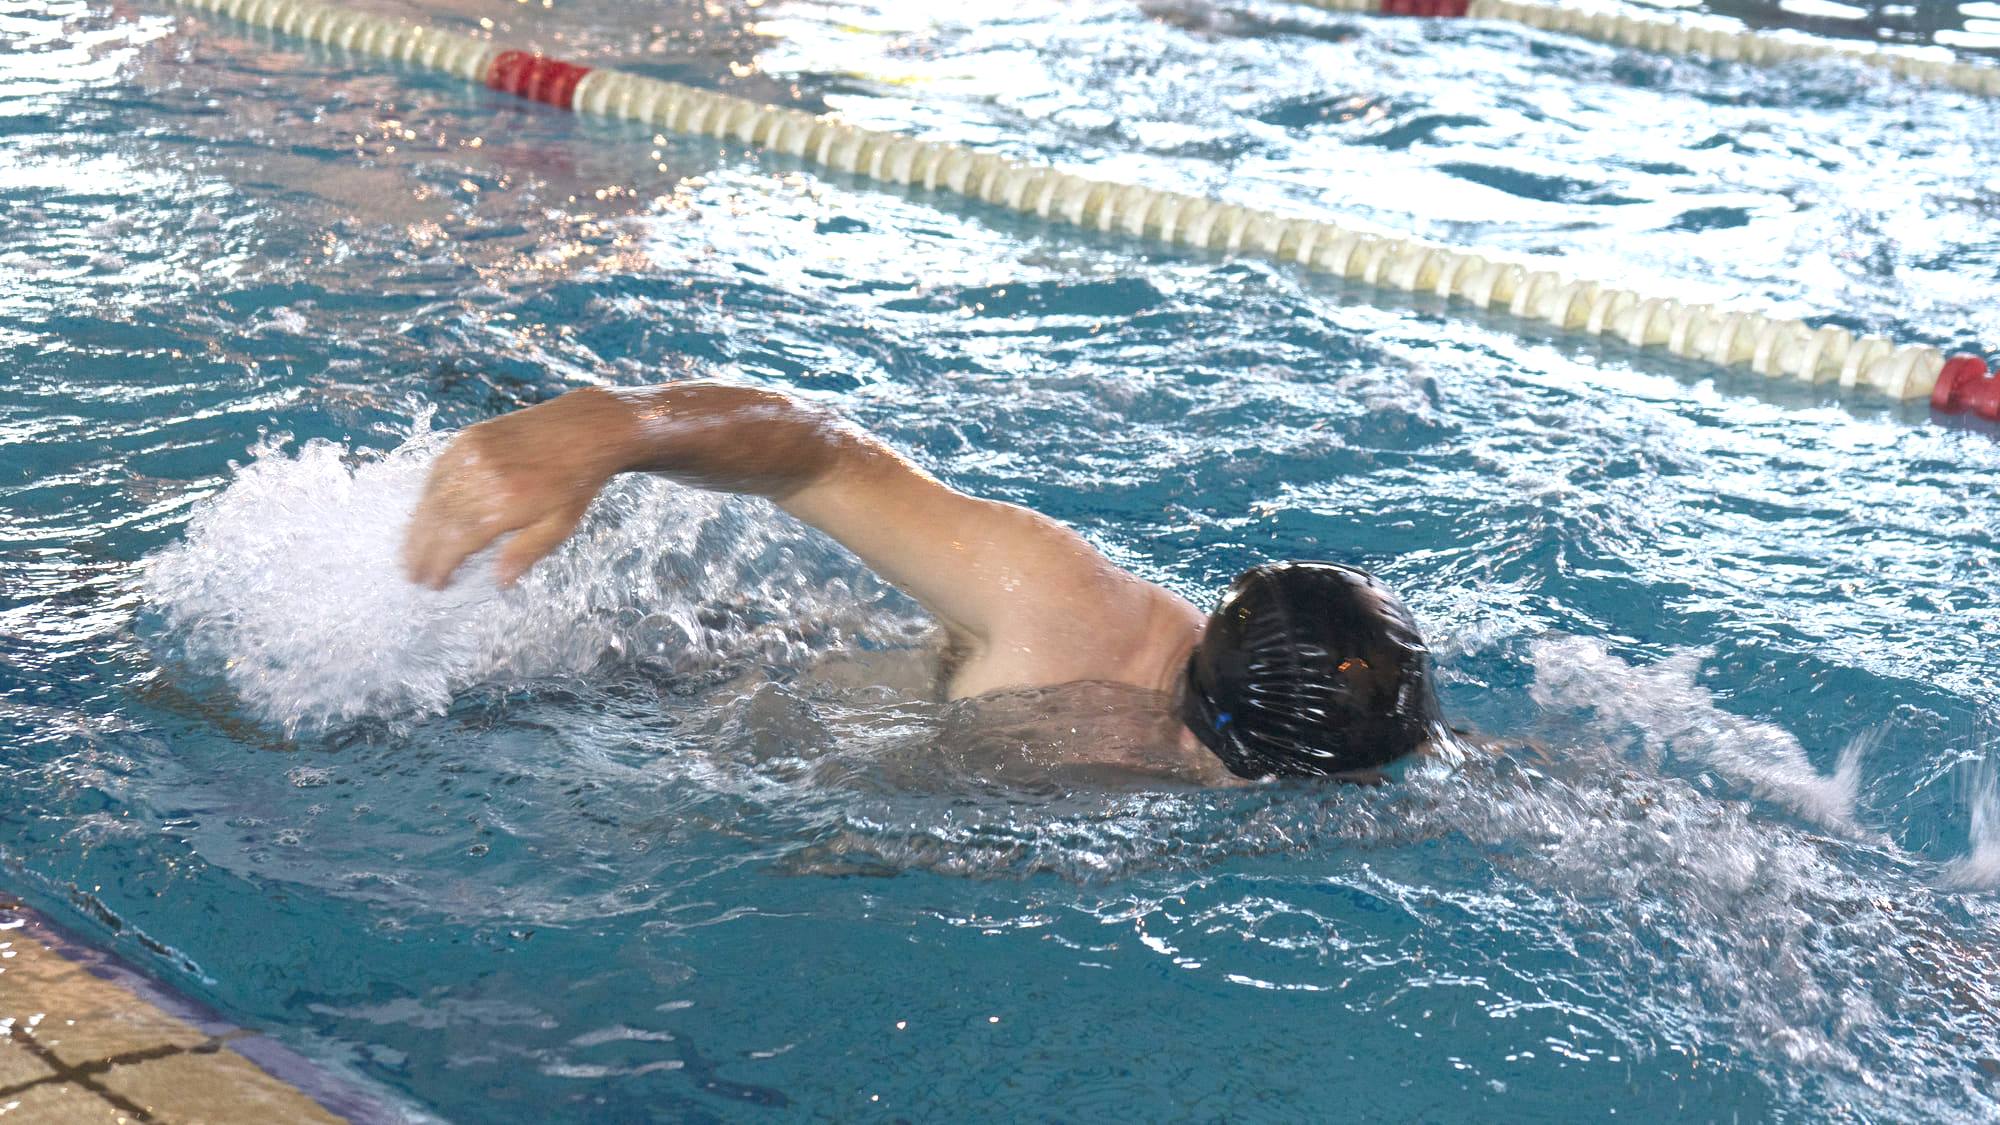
(528, 545)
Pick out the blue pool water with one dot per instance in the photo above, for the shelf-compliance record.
(639, 842)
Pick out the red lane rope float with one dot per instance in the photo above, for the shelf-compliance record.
(536, 77)
(1539, 291)
(1441, 9)
(1965, 386)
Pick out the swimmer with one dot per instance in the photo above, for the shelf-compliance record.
(1304, 669)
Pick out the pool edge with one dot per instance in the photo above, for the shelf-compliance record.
(340, 1097)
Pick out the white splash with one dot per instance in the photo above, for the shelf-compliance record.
(288, 582)
(1668, 710)
(1979, 869)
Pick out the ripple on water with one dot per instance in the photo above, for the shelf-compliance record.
(625, 843)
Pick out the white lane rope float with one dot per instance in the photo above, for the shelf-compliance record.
(1772, 346)
(1681, 34)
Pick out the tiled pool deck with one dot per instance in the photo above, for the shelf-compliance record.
(80, 1044)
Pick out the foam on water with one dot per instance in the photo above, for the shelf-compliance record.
(288, 583)
(1663, 706)
(1807, 942)
(1739, 931)
(600, 826)
(1801, 941)
(1979, 868)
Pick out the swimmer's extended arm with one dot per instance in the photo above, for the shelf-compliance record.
(991, 572)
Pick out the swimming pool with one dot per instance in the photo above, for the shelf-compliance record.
(609, 852)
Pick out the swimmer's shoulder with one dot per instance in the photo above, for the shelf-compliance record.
(1121, 630)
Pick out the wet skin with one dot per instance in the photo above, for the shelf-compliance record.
(1024, 601)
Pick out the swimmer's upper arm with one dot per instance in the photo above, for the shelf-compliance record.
(991, 572)
(995, 574)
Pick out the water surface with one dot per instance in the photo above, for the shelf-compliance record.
(607, 848)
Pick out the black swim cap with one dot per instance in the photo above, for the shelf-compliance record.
(1308, 669)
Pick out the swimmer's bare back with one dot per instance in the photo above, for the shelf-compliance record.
(1024, 601)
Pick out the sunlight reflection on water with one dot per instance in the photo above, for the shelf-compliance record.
(615, 847)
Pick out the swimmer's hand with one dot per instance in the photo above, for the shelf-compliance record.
(532, 473)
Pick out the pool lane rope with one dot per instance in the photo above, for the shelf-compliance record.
(1680, 34)
(1776, 347)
